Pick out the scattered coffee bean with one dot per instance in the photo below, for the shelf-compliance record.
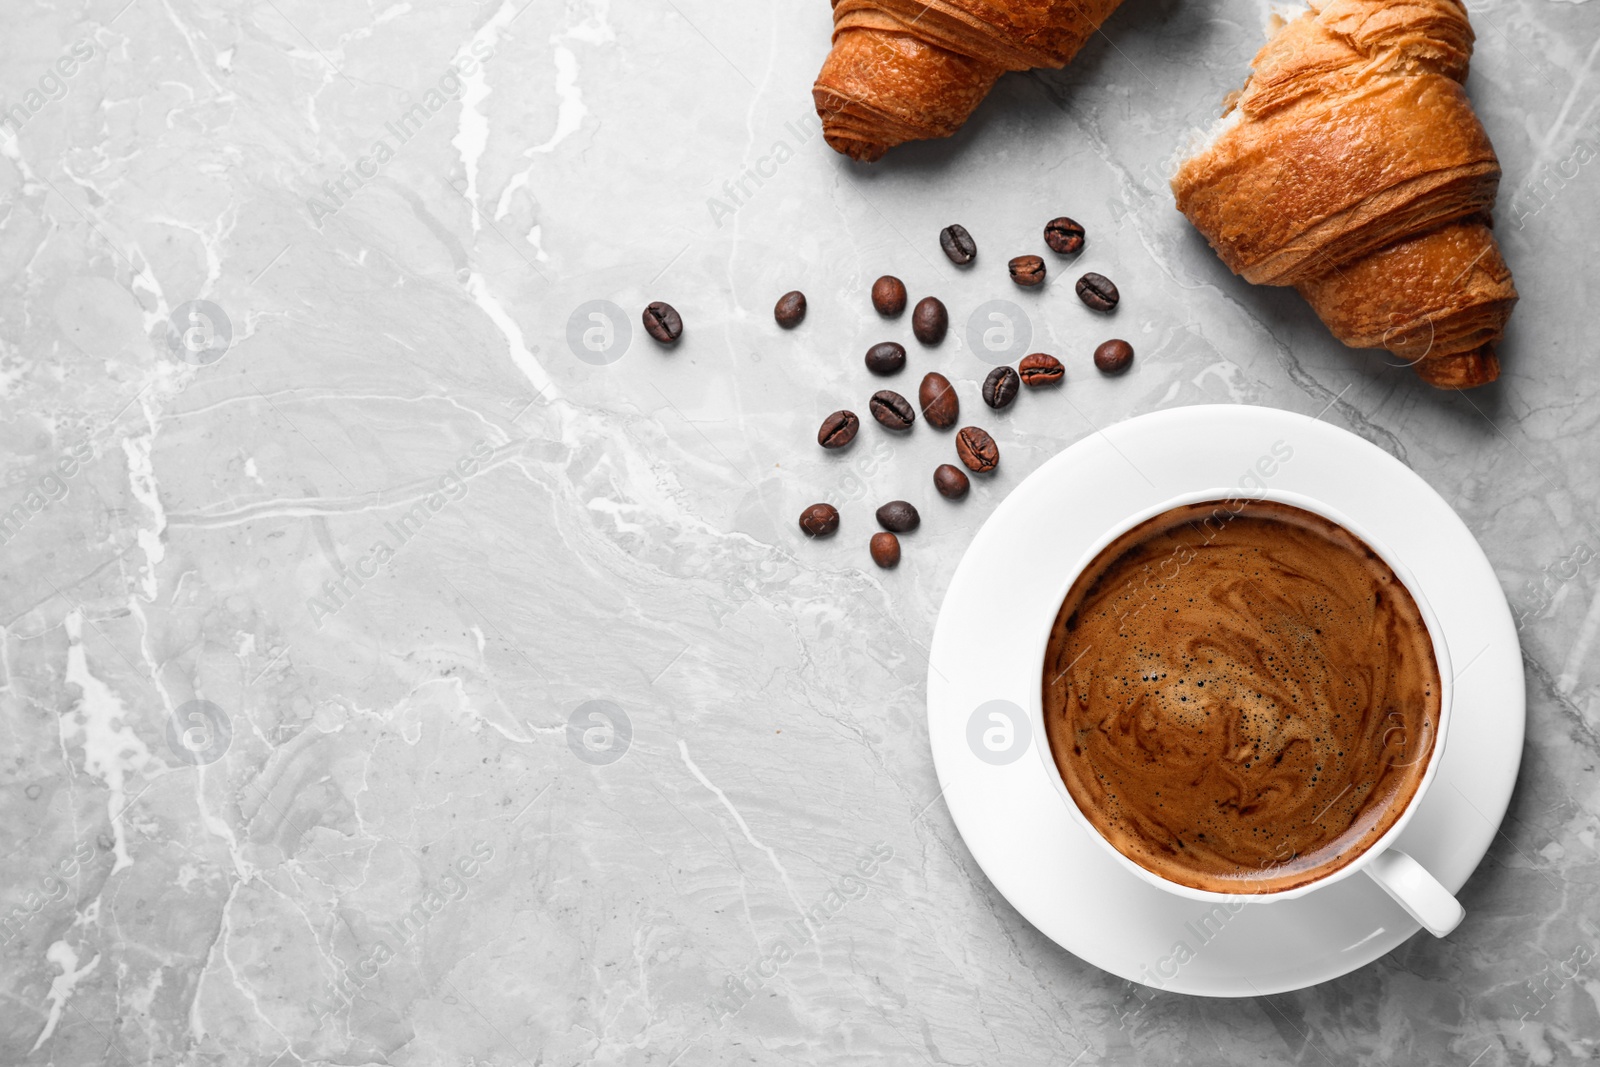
(1000, 388)
(1039, 369)
(1114, 356)
(889, 296)
(899, 516)
(819, 520)
(885, 550)
(1027, 271)
(951, 481)
(937, 397)
(1097, 291)
(886, 357)
(930, 320)
(662, 322)
(838, 429)
(977, 449)
(790, 310)
(892, 410)
(1064, 236)
(958, 244)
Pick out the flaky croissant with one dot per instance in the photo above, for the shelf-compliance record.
(1353, 167)
(907, 70)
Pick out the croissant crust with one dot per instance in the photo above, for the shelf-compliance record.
(905, 70)
(1354, 168)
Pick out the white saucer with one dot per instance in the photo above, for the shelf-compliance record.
(1015, 822)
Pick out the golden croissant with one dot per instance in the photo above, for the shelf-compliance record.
(1353, 167)
(908, 70)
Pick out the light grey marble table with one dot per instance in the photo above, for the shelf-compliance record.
(317, 607)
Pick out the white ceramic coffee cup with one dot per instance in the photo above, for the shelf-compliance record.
(1403, 878)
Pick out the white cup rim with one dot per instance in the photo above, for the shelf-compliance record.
(1234, 495)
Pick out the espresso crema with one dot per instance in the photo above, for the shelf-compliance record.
(1240, 702)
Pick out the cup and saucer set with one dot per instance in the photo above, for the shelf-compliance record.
(1018, 818)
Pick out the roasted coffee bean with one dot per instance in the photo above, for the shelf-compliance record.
(1114, 356)
(899, 516)
(1097, 291)
(886, 357)
(892, 410)
(937, 397)
(885, 549)
(1027, 271)
(951, 481)
(1000, 388)
(1039, 369)
(838, 429)
(1064, 236)
(958, 244)
(819, 520)
(889, 296)
(930, 320)
(790, 310)
(977, 449)
(661, 321)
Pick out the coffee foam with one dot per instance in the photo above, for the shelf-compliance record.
(1241, 702)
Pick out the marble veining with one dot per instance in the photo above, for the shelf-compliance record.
(407, 661)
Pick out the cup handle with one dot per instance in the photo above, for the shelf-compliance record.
(1417, 891)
